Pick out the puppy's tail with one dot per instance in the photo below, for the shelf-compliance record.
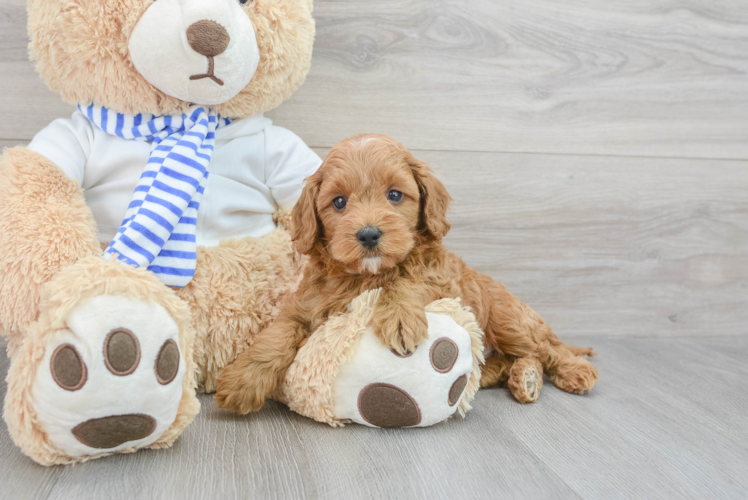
(581, 351)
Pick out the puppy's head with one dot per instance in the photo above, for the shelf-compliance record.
(370, 203)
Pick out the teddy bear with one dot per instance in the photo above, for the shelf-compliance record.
(118, 300)
(144, 241)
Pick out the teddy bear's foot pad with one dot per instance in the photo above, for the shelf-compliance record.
(385, 405)
(414, 390)
(110, 432)
(112, 380)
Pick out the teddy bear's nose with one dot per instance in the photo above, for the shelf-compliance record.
(208, 38)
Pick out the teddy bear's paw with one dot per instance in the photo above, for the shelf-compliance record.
(112, 380)
(383, 388)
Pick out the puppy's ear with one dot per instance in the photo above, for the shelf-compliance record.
(305, 230)
(435, 200)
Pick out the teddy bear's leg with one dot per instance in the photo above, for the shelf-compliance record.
(98, 350)
(236, 293)
(107, 366)
(45, 226)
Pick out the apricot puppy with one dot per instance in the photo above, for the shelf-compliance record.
(373, 217)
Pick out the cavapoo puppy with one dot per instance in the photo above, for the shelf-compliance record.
(373, 216)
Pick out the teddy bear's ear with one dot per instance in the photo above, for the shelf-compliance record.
(435, 200)
(306, 226)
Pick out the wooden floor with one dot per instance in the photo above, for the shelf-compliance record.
(597, 153)
(667, 420)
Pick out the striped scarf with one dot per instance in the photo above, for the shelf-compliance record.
(158, 231)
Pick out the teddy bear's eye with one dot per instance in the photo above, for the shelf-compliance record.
(339, 203)
(395, 196)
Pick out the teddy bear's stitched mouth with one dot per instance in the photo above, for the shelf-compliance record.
(210, 74)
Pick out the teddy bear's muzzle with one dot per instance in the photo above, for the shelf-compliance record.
(209, 62)
(210, 39)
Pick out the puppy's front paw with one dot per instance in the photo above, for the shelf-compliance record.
(243, 386)
(400, 330)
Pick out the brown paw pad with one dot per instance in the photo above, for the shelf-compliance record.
(385, 405)
(68, 369)
(443, 354)
(121, 352)
(110, 432)
(167, 362)
(456, 390)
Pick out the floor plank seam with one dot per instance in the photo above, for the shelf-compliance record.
(554, 153)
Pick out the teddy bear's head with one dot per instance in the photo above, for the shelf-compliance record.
(240, 57)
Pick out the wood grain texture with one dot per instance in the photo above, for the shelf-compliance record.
(625, 77)
(606, 245)
(622, 77)
(667, 420)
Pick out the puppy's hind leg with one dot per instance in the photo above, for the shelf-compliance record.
(570, 372)
(495, 371)
(526, 379)
(258, 372)
(523, 376)
(513, 328)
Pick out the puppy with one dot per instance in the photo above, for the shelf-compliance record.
(373, 217)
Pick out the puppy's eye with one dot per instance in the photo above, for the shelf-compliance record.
(395, 196)
(339, 203)
(243, 2)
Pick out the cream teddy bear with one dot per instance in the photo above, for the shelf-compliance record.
(142, 241)
(170, 168)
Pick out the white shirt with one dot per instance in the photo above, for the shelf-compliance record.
(256, 167)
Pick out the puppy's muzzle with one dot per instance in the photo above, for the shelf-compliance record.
(369, 237)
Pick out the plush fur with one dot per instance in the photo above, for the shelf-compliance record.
(80, 48)
(50, 256)
(412, 267)
(45, 226)
(88, 278)
(50, 262)
(235, 294)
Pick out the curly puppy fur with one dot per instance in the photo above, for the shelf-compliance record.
(410, 264)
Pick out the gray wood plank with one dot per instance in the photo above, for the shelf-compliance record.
(606, 245)
(620, 77)
(665, 421)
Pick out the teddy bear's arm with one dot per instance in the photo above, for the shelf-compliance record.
(67, 143)
(288, 162)
(45, 225)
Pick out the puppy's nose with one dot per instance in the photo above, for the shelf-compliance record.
(208, 38)
(369, 236)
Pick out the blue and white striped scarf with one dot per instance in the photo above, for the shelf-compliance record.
(158, 231)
